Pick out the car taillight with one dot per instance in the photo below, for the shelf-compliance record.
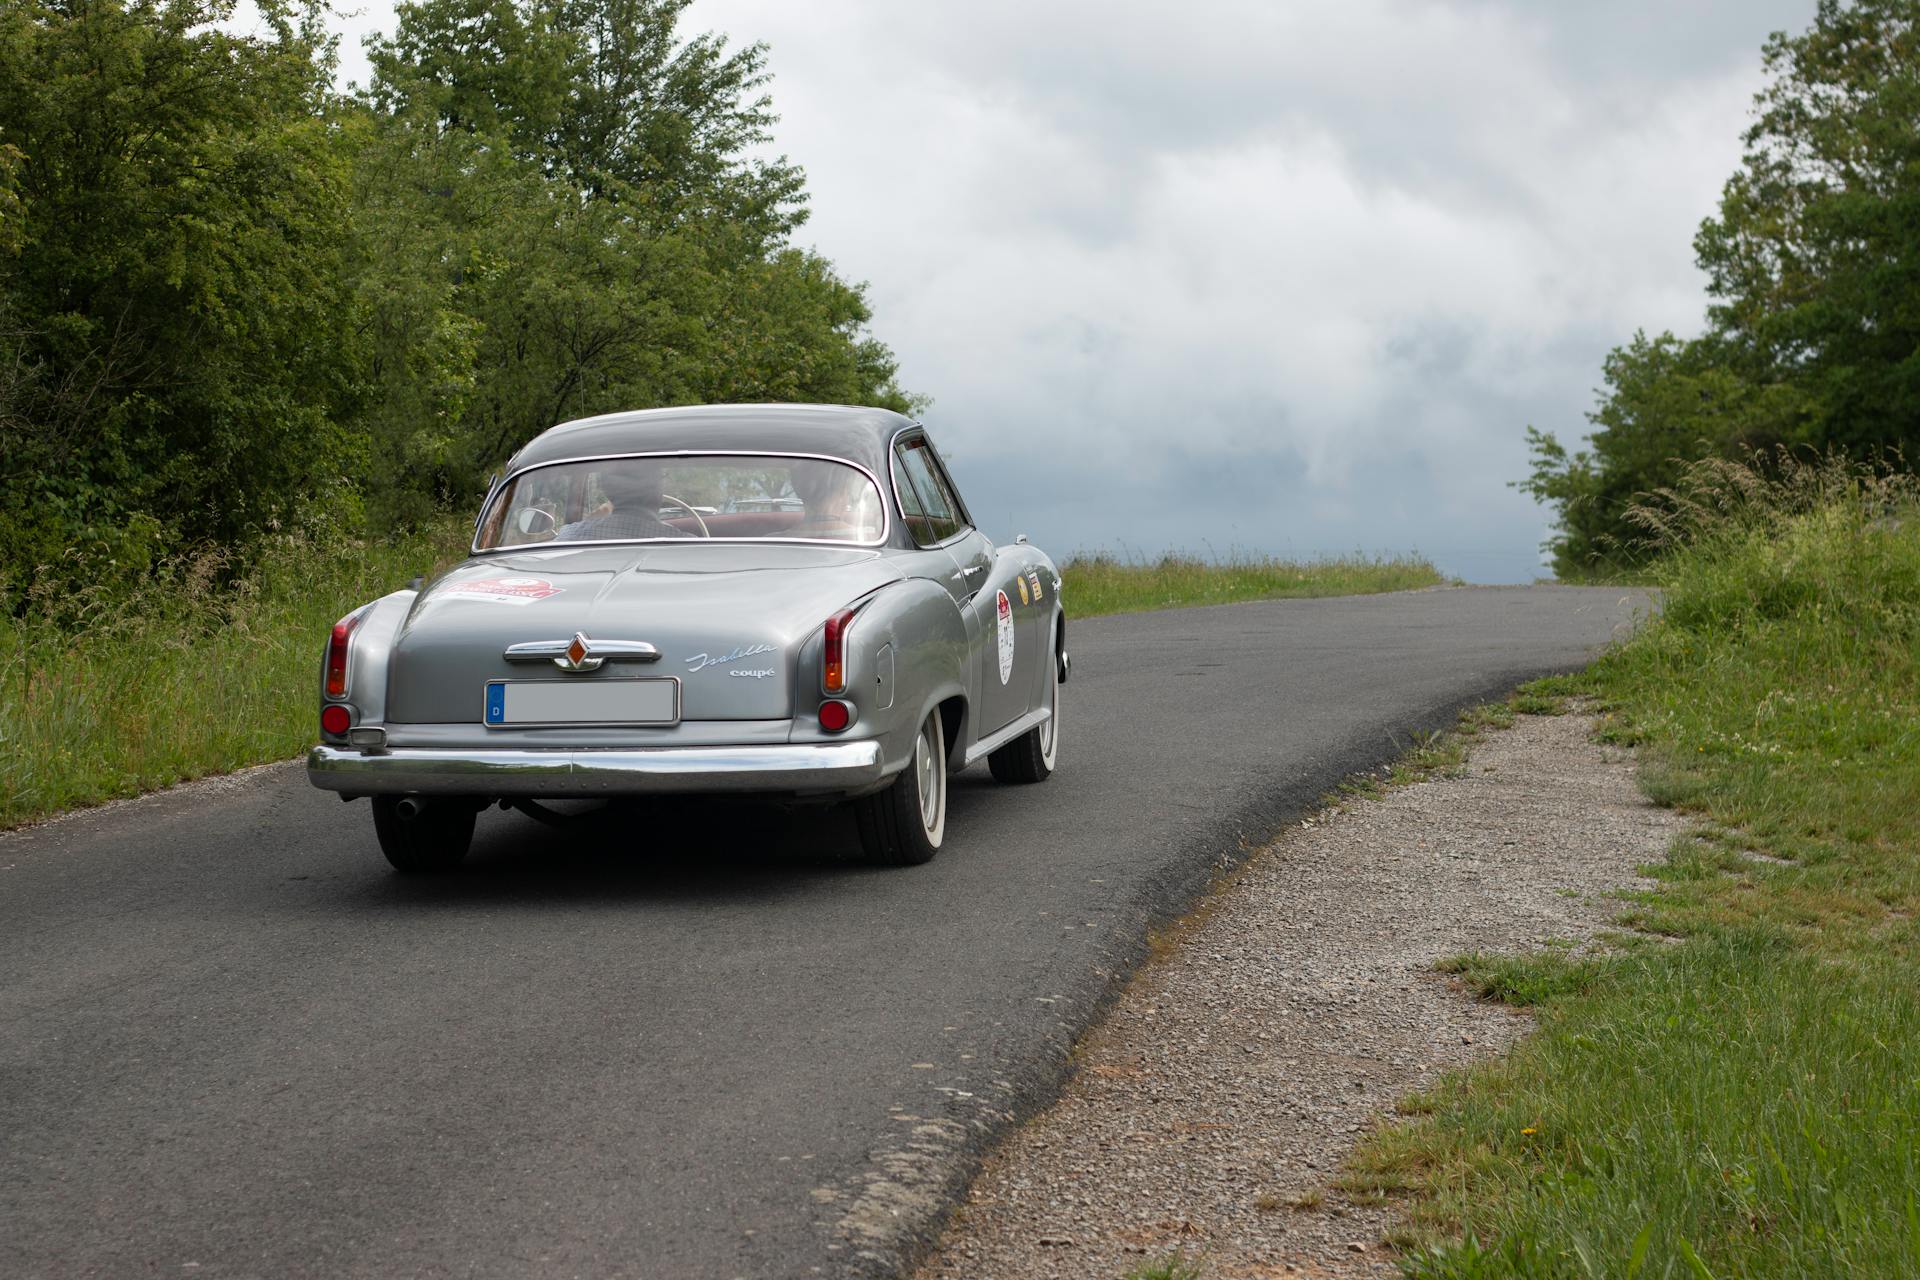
(835, 715)
(833, 653)
(337, 646)
(335, 719)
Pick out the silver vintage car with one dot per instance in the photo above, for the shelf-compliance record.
(784, 600)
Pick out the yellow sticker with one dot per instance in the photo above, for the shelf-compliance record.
(1023, 591)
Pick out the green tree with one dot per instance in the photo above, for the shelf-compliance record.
(174, 296)
(227, 294)
(425, 203)
(677, 119)
(9, 198)
(1664, 401)
(1813, 267)
(578, 232)
(495, 300)
(1814, 257)
(608, 95)
(494, 68)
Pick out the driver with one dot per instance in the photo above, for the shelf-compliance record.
(632, 509)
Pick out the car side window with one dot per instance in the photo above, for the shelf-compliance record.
(929, 508)
(944, 478)
(914, 515)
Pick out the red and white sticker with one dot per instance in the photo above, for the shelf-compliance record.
(1005, 610)
(502, 590)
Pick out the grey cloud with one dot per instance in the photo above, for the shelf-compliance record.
(1653, 41)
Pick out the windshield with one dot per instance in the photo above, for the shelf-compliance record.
(759, 496)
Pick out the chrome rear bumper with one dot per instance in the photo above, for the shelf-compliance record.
(800, 768)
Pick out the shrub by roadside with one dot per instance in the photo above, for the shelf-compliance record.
(1743, 1097)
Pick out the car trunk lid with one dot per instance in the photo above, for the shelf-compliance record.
(728, 621)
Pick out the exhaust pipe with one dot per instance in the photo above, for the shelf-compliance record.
(409, 807)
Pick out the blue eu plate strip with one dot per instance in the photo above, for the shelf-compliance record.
(497, 702)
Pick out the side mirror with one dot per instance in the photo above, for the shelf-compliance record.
(533, 521)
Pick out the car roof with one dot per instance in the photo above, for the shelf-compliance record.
(859, 435)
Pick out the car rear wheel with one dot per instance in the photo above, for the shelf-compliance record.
(422, 836)
(903, 825)
(1029, 757)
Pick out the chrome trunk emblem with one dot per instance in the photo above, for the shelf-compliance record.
(581, 654)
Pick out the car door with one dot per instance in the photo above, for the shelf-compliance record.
(999, 691)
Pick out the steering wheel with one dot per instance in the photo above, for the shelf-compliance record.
(686, 507)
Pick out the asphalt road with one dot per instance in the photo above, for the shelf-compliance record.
(676, 1041)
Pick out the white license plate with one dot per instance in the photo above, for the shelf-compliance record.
(514, 702)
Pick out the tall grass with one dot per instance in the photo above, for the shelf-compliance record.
(119, 690)
(1746, 1100)
(1099, 584)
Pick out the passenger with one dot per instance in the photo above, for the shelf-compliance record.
(632, 508)
(839, 503)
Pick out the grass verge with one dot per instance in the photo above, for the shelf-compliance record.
(1734, 1090)
(105, 696)
(1101, 584)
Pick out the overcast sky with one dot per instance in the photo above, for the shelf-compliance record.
(1258, 275)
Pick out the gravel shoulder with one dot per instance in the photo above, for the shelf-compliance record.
(1213, 1105)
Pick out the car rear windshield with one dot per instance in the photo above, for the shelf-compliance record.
(685, 497)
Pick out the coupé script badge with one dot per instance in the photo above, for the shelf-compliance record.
(701, 661)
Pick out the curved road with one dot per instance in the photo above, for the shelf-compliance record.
(676, 1041)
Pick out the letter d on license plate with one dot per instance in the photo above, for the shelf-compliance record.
(528, 702)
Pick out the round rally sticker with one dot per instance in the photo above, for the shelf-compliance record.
(1005, 610)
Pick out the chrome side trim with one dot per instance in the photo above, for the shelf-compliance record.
(1001, 737)
(835, 767)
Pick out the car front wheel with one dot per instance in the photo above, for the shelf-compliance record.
(421, 836)
(904, 824)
